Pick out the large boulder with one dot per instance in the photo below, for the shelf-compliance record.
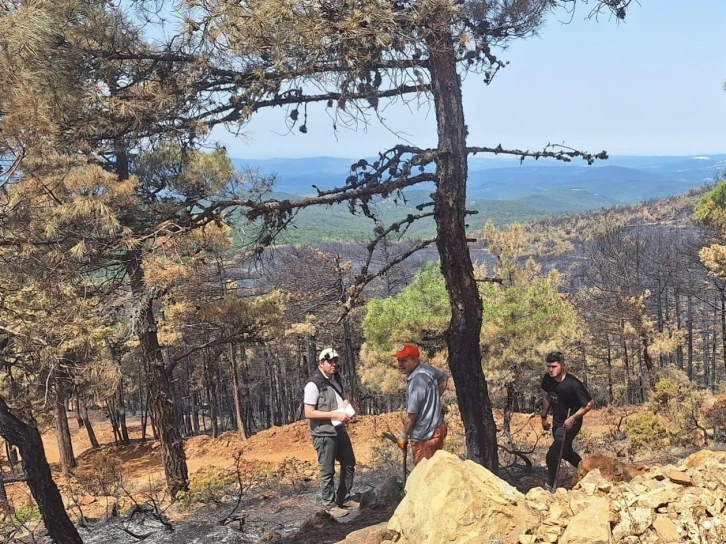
(450, 500)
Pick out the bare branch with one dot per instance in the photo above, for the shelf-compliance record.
(551, 151)
(354, 291)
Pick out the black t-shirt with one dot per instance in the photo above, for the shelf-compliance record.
(570, 394)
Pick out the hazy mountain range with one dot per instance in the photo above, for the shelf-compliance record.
(622, 179)
(500, 188)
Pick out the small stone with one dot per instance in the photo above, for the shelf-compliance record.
(86, 500)
(658, 497)
(590, 525)
(666, 529)
(238, 525)
(715, 509)
(319, 520)
(680, 478)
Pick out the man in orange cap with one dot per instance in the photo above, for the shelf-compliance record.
(425, 426)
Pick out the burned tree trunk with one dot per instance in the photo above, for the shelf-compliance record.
(83, 413)
(121, 413)
(462, 335)
(350, 361)
(162, 411)
(312, 355)
(62, 430)
(236, 393)
(12, 454)
(211, 387)
(38, 476)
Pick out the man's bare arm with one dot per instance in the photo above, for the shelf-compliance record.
(312, 413)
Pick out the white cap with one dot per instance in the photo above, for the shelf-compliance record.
(328, 353)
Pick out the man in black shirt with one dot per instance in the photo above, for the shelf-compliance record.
(570, 401)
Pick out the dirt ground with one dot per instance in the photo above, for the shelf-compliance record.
(285, 502)
(142, 462)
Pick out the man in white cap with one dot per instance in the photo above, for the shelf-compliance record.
(325, 404)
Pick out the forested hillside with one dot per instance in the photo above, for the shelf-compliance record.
(144, 271)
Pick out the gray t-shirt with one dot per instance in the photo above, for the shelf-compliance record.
(422, 398)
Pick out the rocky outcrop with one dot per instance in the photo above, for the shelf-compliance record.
(449, 500)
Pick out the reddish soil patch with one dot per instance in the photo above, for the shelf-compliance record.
(290, 445)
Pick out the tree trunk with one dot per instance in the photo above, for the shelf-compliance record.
(162, 412)
(3, 495)
(143, 402)
(648, 360)
(679, 349)
(312, 355)
(79, 418)
(462, 335)
(626, 362)
(38, 476)
(211, 399)
(111, 410)
(12, 454)
(191, 408)
(659, 316)
(281, 372)
(350, 354)
(641, 383)
(236, 394)
(610, 369)
(121, 413)
(195, 413)
(62, 430)
(508, 412)
(83, 413)
(706, 352)
(689, 310)
(144, 419)
(714, 343)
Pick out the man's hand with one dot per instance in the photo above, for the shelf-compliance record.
(340, 416)
(402, 442)
(545, 424)
(569, 422)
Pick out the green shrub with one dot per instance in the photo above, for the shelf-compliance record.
(208, 486)
(646, 430)
(671, 416)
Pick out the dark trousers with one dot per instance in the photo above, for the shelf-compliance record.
(330, 449)
(568, 454)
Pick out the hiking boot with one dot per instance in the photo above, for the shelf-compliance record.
(349, 504)
(337, 512)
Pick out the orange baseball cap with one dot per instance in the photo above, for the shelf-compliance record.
(407, 350)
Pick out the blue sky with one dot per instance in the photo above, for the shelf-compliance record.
(652, 85)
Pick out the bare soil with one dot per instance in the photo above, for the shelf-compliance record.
(281, 504)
